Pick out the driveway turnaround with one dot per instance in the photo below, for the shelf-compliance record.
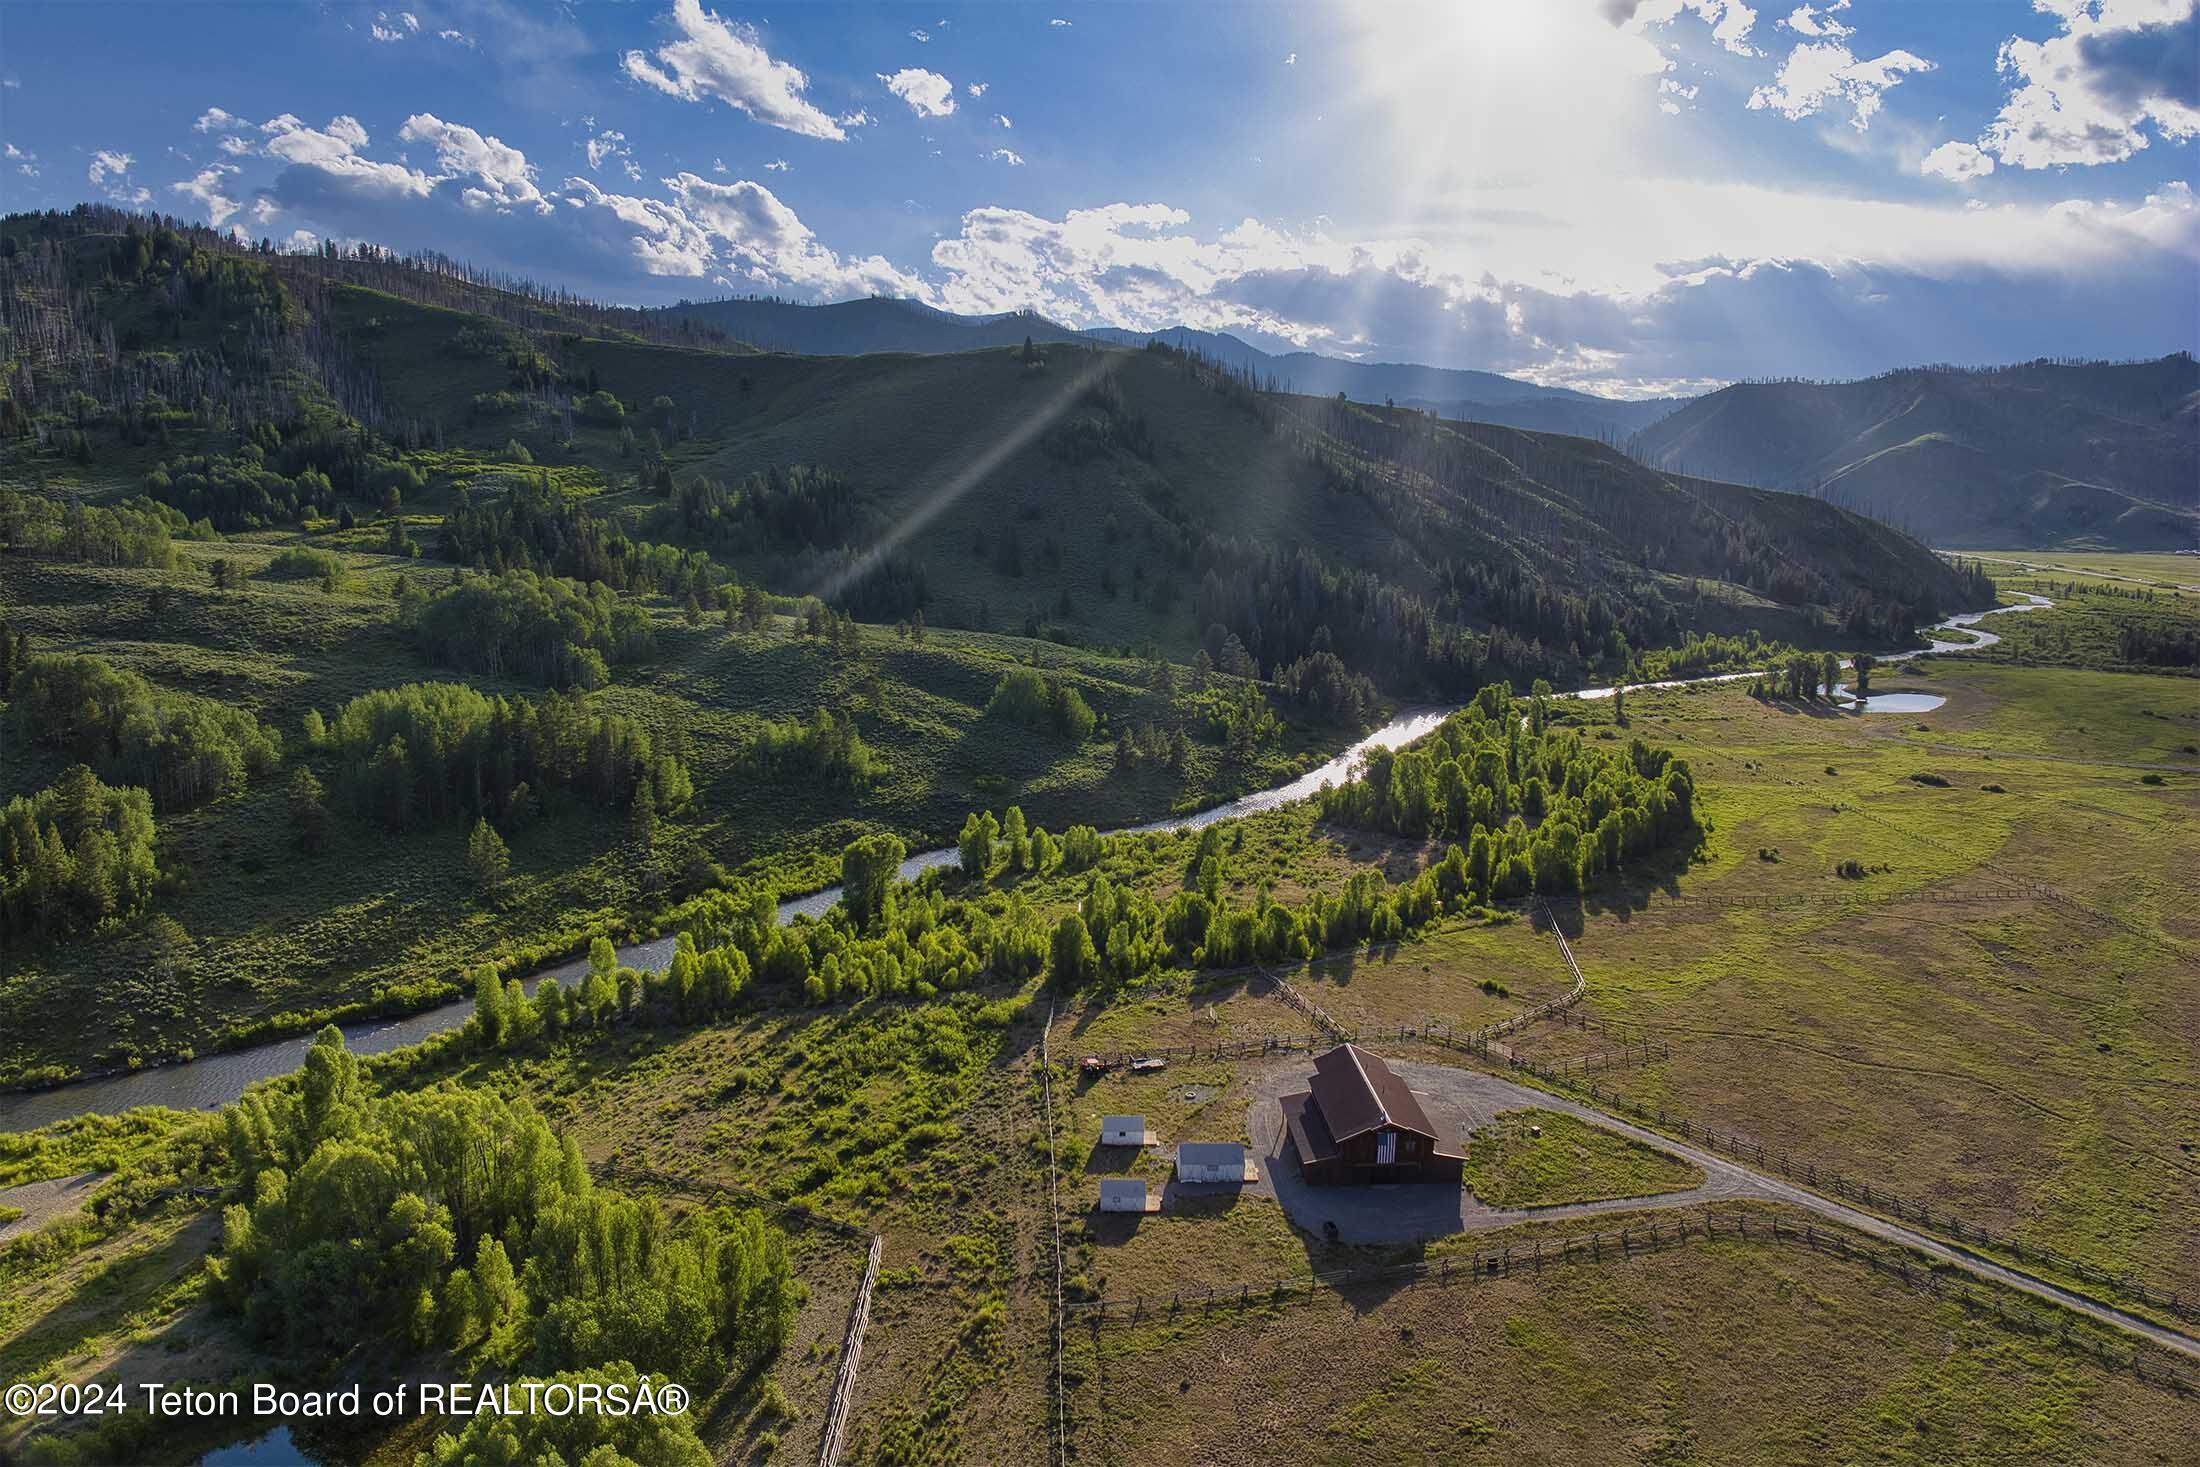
(1460, 1100)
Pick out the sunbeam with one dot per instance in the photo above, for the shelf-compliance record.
(961, 481)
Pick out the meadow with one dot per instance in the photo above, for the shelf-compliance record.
(284, 938)
(1937, 1023)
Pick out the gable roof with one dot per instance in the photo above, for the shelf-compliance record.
(1210, 1153)
(1357, 1093)
(1122, 1187)
(1122, 1123)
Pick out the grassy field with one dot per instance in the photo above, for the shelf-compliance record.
(1538, 1158)
(280, 933)
(1719, 1353)
(2159, 569)
(1936, 1024)
(1997, 1015)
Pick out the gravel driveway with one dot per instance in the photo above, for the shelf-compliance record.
(1459, 1100)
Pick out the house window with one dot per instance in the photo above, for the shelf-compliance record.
(1412, 1145)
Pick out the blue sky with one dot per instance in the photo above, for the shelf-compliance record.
(1623, 195)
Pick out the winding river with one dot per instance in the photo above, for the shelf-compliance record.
(220, 1078)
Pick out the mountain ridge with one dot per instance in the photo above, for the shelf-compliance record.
(2039, 454)
(884, 323)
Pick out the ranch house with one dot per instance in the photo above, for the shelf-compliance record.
(1358, 1122)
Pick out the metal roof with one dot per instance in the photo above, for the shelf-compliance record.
(1122, 1123)
(1122, 1187)
(1210, 1153)
(1357, 1093)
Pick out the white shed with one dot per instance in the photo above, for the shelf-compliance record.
(1124, 1131)
(1213, 1161)
(1126, 1194)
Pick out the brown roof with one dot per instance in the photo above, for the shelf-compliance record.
(1309, 1132)
(1357, 1093)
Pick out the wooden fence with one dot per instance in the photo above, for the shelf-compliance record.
(851, 1355)
(1862, 1192)
(2147, 1361)
(1054, 1218)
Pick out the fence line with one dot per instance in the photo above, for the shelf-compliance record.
(1054, 1216)
(1635, 1052)
(1809, 1173)
(851, 1353)
(2147, 1362)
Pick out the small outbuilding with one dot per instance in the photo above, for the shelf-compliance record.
(1213, 1161)
(1358, 1122)
(1124, 1131)
(1126, 1194)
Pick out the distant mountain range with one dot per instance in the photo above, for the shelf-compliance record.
(2103, 455)
(861, 327)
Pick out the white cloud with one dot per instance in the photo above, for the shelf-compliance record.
(333, 153)
(1818, 72)
(777, 165)
(25, 163)
(214, 119)
(1002, 119)
(857, 118)
(456, 38)
(1806, 20)
(718, 165)
(927, 92)
(759, 237)
(920, 37)
(1730, 20)
(111, 171)
(2084, 96)
(610, 143)
(976, 89)
(1671, 94)
(206, 188)
(1957, 162)
(717, 59)
(500, 175)
(660, 238)
(738, 234)
(1005, 155)
(1857, 278)
(302, 242)
(1292, 59)
(384, 33)
(1060, 24)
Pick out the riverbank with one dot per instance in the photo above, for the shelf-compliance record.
(217, 1079)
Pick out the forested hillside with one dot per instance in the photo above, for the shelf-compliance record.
(365, 575)
(2093, 454)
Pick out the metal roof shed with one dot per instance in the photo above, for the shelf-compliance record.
(1124, 1131)
(1213, 1161)
(1126, 1194)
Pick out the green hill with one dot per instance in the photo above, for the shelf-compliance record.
(1100, 496)
(2099, 455)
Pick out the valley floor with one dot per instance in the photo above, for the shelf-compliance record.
(1990, 1022)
